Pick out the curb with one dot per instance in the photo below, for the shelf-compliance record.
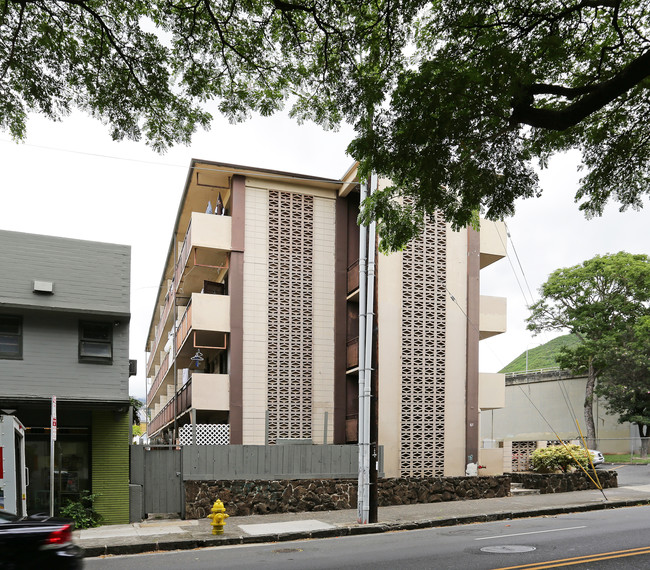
(373, 528)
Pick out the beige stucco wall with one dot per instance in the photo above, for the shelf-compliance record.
(255, 351)
(491, 460)
(210, 312)
(323, 318)
(493, 242)
(491, 390)
(210, 391)
(456, 353)
(520, 421)
(493, 316)
(210, 230)
(389, 297)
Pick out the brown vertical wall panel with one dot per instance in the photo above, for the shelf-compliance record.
(236, 291)
(340, 318)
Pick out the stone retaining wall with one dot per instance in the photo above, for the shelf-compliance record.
(243, 498)
(565, 482)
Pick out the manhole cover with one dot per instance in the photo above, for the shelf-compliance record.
(507, 549)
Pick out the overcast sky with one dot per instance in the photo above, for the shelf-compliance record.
(69, 179)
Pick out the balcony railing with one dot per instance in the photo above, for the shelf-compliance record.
(352, 360)
(166, 415)
(183, 256)
(353, 277)
(167, 307)
(162, 371)
(184, 327)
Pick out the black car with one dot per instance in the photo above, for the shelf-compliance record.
(37, 541)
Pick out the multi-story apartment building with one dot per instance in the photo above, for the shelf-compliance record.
(254, 338)
(64, 332)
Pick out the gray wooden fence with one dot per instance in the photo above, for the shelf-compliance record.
(267, 462)
(157, 469)
(160, 470)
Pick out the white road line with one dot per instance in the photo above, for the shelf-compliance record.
(533, 532)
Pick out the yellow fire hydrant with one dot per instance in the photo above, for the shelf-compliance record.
(218, 516)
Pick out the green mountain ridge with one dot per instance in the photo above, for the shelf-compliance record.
(543, 356)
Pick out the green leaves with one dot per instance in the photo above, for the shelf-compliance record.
(452, 100)
(605, 301)
(559, 458)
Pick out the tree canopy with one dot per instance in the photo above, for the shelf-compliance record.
(602, 301)
(451, 100)
(625, 383)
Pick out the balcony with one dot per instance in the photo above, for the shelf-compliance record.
(491, 391)
(204, 256)
(157, 381)
(204, 314)
(493, 242)
(202, 392)
(166, 415)
(492, 319)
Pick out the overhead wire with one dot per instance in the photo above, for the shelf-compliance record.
(514, 272)
(472, 324)
(523, 273)
(222, 169)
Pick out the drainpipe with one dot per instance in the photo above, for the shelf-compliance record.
(363, 495)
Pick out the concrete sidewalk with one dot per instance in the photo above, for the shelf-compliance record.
(159, 535)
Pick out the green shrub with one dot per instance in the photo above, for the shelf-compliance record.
(557, 458)
(82, 512)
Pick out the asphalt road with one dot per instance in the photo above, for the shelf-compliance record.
(630, 475)
(610, 539)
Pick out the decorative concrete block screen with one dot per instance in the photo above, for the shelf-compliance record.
(290, 298)
(206, 434)
(521, 452)
(422, 452)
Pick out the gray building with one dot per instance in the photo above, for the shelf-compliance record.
(64, 332)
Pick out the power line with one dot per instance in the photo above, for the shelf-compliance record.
(514, 272)
(227, 169)
(469, 321)
(532, 297)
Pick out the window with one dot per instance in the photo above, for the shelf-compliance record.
(11, 337)
(96, 342)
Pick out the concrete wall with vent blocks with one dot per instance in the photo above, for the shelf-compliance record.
(290, 315)
(424, 349)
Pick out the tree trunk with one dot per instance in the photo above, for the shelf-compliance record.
(589, 406)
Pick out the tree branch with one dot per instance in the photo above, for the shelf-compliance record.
(524, 112)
